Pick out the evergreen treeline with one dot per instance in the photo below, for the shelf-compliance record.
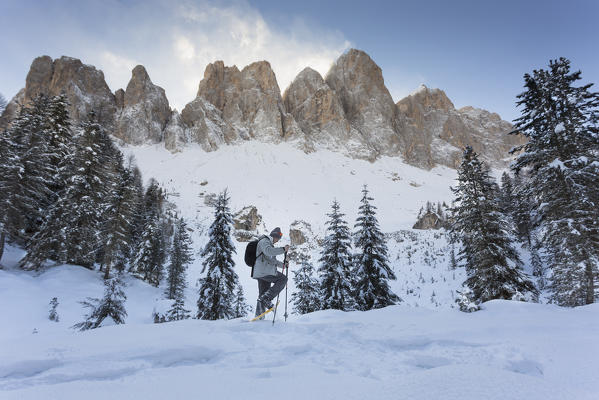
(559, 166)
(348, 278)
(67, 196)
(550, 205)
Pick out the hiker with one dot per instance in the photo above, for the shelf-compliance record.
(265, 270)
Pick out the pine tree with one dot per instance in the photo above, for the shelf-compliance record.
(506, 195)
(537, 265)
(217, 288)
(53, 316)
(30, 174)
(178, 311)
(561, 123)
(119, 218)
(240, 307)
(307, 297)
(371, 265)
(10, 169)
(492, 264)
(71, 230)
(335, 263)
(137, 188)
(465, 300)
(453, 262)
(60, 142)
(523, 213)
(180, 257)
(148, 261)
(112, 305)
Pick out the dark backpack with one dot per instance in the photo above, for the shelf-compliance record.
(250, 252)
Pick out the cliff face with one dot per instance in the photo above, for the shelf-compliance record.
(350, 111)
(143, 110)
(431, 115)
(83, 85)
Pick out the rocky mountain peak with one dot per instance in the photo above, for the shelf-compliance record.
(261, 73)
(367, 104)
(428, 99)
(357, 79)
(83, 85)
(249, 103)
(143, 111)
(319, 114)
(217, 80)
(350, 111)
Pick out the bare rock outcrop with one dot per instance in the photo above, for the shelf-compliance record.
(203, 125)
(248, 105)
(300, 232)
(246, 223)
(350, 111)
(175, 133)
(145, 110)
(430, 115)
(366, 102)
(320, 116)
(83, 85)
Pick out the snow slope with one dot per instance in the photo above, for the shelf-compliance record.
(509, 350)
(286, 185)
(420, 349)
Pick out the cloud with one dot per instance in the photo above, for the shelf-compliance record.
(176, 43)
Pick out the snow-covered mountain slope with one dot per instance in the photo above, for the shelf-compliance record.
(509, 350)
(287, 185)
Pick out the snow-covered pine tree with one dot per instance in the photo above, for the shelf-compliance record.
(60, 142)
(371, 265)
(465, 300)
(335, 263)
(307, 296)
(217, 288)
(112, 305)
(33, 153)
(180, 256)
(240, 307)
(31, 186)
(523, 213)
(178, 311)
(492, 264)
(453, 262)
(53, 316)
(118, 218)
(150, 255)
(506, 195)
(138, 205)
(10, 169)
(537, 265)
(71, 230)
(561, 122)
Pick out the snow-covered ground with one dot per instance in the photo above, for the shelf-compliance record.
(286, 185)
(509, 350)
(420, 349)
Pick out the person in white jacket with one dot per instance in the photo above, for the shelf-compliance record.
(270, 280)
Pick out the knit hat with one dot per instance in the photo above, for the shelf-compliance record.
(276, 233)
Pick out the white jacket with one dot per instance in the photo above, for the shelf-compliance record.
(266, 261)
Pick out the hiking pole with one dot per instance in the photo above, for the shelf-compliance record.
(286, 284)
(277, 303)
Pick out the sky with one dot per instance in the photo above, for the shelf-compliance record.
(477, 51)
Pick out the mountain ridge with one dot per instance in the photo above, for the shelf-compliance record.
(349, 110)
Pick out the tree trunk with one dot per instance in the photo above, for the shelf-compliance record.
(2, 237)
(590, 298)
